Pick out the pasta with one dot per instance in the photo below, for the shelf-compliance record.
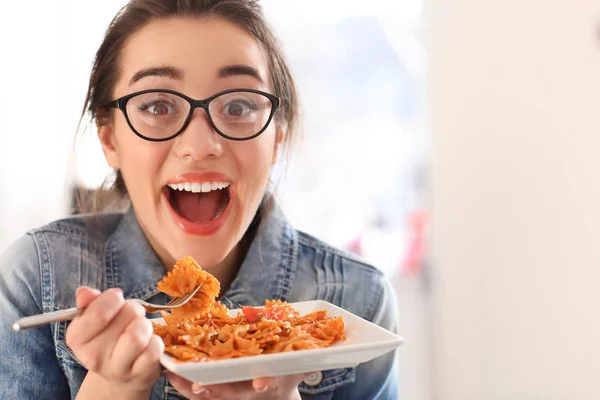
(203, 329)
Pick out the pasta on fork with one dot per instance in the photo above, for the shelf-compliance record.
(184, 277)
(203, 329)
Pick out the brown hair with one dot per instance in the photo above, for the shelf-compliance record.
(246, 14)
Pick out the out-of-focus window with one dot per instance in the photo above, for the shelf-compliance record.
(356, 181)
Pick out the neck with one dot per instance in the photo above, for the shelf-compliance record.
(227, 270)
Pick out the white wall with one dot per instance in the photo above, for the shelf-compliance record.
(514, 92)
(47, 52)
(34, 128)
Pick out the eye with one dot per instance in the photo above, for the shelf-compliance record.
(158, 108)
(238, 108)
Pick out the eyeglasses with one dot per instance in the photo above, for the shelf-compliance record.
(159, 114)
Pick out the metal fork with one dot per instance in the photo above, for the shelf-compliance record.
(70, 313)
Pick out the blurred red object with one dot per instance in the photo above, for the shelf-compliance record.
(355, 245)
(416, 230)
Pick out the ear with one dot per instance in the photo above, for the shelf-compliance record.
(279, 136)
(107, 140)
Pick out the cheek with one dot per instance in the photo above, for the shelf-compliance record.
(255, 157)
(254, 168)
(139, 160)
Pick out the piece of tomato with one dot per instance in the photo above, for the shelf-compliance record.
(252, 313)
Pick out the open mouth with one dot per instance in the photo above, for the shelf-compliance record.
(198, 202)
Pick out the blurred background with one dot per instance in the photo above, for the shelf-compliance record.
(451, 143)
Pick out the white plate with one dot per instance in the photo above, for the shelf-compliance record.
(364, 342)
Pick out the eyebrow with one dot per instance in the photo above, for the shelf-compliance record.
(176, 73)
(233, 70)
(169, 72)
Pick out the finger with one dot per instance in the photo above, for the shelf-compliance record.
(233, 390)
(278, 384)
(84, 296)
(182, 385)
(132, 342)
(245, 389)
(263, 384)
(169, 375)
(250, 389)
(96, 354)
(106, 342)
(95, 317)
(148, 363)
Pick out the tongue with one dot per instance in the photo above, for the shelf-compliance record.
(198, 207)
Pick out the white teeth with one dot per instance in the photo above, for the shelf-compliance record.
(198, 187)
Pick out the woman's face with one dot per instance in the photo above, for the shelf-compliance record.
(197, 58)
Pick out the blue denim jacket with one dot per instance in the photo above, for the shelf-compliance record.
(41, 270)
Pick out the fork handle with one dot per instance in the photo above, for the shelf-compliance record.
(46, 318)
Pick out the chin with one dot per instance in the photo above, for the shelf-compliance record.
(207, 251)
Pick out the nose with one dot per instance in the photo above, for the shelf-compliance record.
(199, 140)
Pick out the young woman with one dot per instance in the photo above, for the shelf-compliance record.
(194, 104)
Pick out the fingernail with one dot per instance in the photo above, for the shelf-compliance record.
(197, 389)
(118, 291)
(79, 289)
(263, 389)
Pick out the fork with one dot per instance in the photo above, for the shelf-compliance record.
(70, 313)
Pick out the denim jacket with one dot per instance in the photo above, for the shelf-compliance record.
(41, 270)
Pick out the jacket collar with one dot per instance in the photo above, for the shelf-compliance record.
(269, 269)
(131, 263)
(267, 272)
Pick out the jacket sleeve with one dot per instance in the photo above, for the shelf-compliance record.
(29, 367)
(378, 378)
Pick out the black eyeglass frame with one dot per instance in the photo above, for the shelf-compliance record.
(121, 104)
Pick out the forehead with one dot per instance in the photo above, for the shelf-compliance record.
(199, 47)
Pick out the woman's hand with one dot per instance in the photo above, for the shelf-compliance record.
(276, 388)
(115, 342)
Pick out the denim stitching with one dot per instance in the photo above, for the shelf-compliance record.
(318, 263)
(109, 263)
(69, 227)
(145, 293)
(46, 275)
(47, 289)
(342, 278)
(308, 241)
(39, 303)
(288, 263)
(331, 277)
(337, 277)
(375, 299)
(62, 346)
(325, 267)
